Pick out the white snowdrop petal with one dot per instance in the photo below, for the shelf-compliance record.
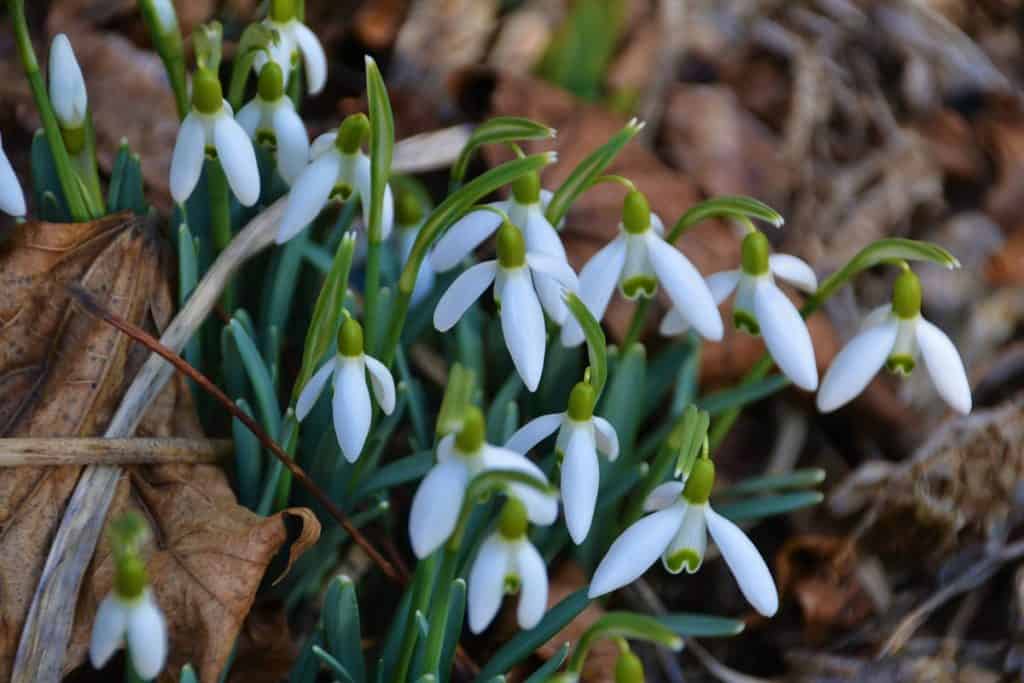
(685, 287)
(636, 550)
(541, 508)
(352, 410)
(67, 85)
(722, 284)
(533, 432)
(187, 158)
(533, 584)
(663, 496)
(12, 199)
(361, 178)
(461, 294)
(793, 270)
(597, 282)
(855, 365)
(607, 438)
(877, 316)
(541, 238)
(322, 143)
(745, 563)
(581, 478)
(147, 638)
(314, 387)
(436, 505)
(487, 582)
(944, 366)
(557, 270)
(387, 221)
(673, 324)
(249, 116)
(313, 58)
(292, 141)
(108, 629)
(446, 448)
(382, 383)
(462, 238)
(309, 194)
(785, 334)
(692, 536)
(238, 159)
(522, 324)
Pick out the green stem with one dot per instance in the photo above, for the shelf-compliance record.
(295, 85)
(438, 619)
(371, 290)
(220, 219)
(167, 40)
(85, 163)
(637, 325)
(69, 181)
(422, 586)
(291, 442)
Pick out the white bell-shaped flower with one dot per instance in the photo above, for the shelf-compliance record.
(525, 210)
(638, 260)
(271, 117)
(581, 434)
(896, 335)
(507, 563)
(677, 532)
(351, 405)
(762, 308)
(67, 85)
(460, 458)
(339, 167)
(514, 275)
(210, 126)
(295, 40)
(12, 199)
(408, 221)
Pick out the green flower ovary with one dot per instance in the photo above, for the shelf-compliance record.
(636, 213)
(351, 133)
(513, 521)
(526, 188)
(754, 253)
(350, 338)
(629, 668)
(581, 402)
(207, 96)
(906, 295)
(271, 82)
(130, 577)
(470, 438)
(700, 482)
(511, 246)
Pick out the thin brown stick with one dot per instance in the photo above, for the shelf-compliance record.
(89, 304)
(41, 452)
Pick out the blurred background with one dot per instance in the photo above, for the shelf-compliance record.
(856, 119)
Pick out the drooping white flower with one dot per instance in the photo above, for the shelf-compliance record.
(270, 116)
(460, 458)
(638, 260)
(761, 307)
(408, 221)
(351, 405)
(137, 621)
(896, 335)
(12, 199)
(507, 563)
(295, 39)
(677, 532)
(581, 434)
(339, 166)
(525, 210)
(514, 275)
(67, 85)
(210, 126)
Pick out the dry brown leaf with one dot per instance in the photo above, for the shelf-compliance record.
(62, 374)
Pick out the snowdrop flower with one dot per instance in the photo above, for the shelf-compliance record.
(762, 308)
(408, 221)
(294, 39)
(67, 92)
(894, 336)
(130, 613)
(339, 167)
(271, 118)
(460, 458)
(677, 531)
(638, 260)
(210, 127)
(351, 406)
(12, 199)
(507, 563)
(525, 210)
(514, 275)
(580, 435)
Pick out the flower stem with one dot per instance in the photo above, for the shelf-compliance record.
(422, 584)
(371, 289)
(637, 325)
(167, 40)
(69, 181)
(438, 619)
(220, 219)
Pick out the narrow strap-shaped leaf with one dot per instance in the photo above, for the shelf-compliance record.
(342, 635)
(691, 625)
(382, 142)
(453, 627)
(623, 625)
(769, 506)
(498, 130)
(401, 471)
(728, 399)
(333, 664)
(727, 207)
(248, 459)
(259, 377)
(597, 347)
(797, 479)
(542, 674)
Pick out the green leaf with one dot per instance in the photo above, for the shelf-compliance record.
(628, 625)
(256, 38)
(588, 170)
(701, 625)
(286, 266)
(728, 399)
(453, 626)
(797, 479)
(307, 666)
(497, 130)
(597, 348)
(525, 643)
(550, 667)
(342, 635)
(188, 675)
(769, 506)
(382, 142)
(126, 192)
(333, 664)
(620, 405)
(401, 471)
(259, 377)
(46, 182)
(248, 459)
(578, 56)
(323, 327)
(188, 278)
(503, 402)
(744, 208)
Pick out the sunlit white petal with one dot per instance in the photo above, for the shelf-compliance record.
(636, 550)
(785, 334)
(187, 158)
(322, 143)
(292, 141)
(436, 505)
(541, 507)
(352, 410)
(382, 382)
(67, 85)
(466, 289)
(691, 539)
(250, 115)
(309, 194)
(533, 584)
(522, 324)
(581, 478)
(147, 638)
(313, 58)
(314, 387)
(607, 438)
(854, 366)
(237, 158)
(944, 366)
(108, 630)
(462, 238)
(685, 287)
(487, 582)
(12, 199)
(553, 268)
(663, 496)
(541, 238)
(745, 563)
(533, 432)
(793, 270)
(598, 280)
